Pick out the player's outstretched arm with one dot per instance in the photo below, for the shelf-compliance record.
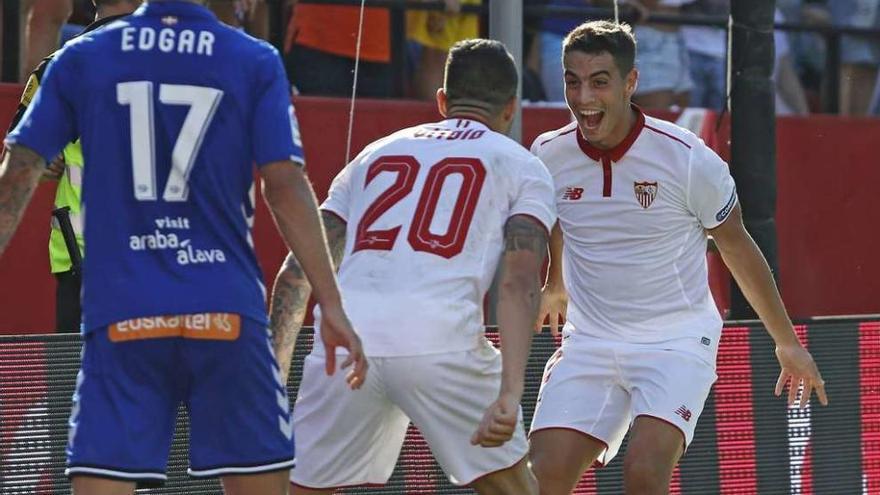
(749, 267)
(19, 175)
(291, 200)
(525, 246)
(290, 297)
(554, 300)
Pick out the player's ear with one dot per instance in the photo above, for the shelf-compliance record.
(509, 110)
(442, 100)
(631, 82)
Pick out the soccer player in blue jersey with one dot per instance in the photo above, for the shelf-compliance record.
(173, 304)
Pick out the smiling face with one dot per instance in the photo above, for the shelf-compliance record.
(599, 96)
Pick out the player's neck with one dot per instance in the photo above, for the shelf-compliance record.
(122, 8)
(623, 128)
(470, 114)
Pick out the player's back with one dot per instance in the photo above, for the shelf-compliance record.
(174, 110)
(425, 211)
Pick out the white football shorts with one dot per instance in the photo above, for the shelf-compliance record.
(346, 438)
(598, 387)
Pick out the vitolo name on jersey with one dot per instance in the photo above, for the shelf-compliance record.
(167, 40)
(449, 134)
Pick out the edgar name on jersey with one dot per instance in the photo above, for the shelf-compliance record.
(168, 40)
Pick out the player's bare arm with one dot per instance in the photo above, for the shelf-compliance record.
(291, 201)
(525, 246)
(750, 269)
(19, 175)
(335, 229)
(554, 300)
(290, 297)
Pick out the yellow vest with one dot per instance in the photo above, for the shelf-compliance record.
(68, 194)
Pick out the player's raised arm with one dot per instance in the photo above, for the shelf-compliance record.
(554, 300)
(525, 247)
(291, 200)
(19, 175)
(750, 269)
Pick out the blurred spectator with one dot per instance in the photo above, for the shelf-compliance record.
(860, 57)
(553, 30)
(790, 96)
(431, 34)
(249, 15)
(707, 55)
(42, 21)
(807, 49)
(320, 49)
(662, 59)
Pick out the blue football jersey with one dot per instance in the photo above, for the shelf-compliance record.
(173, 109)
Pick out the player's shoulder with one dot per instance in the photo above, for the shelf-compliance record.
(554, 139)
(672, 134)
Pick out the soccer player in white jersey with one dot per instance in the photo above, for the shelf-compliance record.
(636, 197)
(420, 220)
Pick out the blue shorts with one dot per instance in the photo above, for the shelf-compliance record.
(128, 393)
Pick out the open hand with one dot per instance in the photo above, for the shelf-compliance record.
(336, 331)
(798, 368)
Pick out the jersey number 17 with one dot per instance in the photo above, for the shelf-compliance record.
(138, 96)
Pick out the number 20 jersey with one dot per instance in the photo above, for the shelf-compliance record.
(425, 211)
(174, 109)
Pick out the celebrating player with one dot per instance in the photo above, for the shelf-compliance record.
(636, 197)
(173, 304)
(420, 220)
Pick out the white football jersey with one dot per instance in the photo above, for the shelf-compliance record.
(633, 220)
(425, 209)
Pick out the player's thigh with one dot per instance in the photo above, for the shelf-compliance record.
(274, 483)
(671, 382)
(563, 453)
(446, 396)
(581, 394)
(124, 408)
(515, 479)
(653, 450)
(239, 410)
(345, 437)
(90, 485)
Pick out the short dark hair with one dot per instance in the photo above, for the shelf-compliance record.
(480, 70)
(595, 37)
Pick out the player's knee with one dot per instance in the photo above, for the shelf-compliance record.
(643, 475)
(518, 479)
(550, 473)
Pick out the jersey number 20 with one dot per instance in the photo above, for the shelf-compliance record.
(138, 96)
(447, 244)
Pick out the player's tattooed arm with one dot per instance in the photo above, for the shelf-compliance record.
(290, 297)
(20, 173)
(335, 229)
(525, 234)
(519, 295)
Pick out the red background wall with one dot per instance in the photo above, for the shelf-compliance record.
(828, 212)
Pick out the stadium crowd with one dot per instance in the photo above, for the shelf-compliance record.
(680, 66)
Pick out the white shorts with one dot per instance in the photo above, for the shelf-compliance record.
(346, 438)
(598, 387)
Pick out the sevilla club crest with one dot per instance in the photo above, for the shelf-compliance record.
(645, 192)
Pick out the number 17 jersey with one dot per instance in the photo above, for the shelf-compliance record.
(425, 210)
(173, 109)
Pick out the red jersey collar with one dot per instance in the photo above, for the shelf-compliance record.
(617, 152)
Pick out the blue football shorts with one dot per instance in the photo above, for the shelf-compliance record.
(134, 376)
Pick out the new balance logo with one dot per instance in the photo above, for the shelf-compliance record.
(684, 412)
(573, 193)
